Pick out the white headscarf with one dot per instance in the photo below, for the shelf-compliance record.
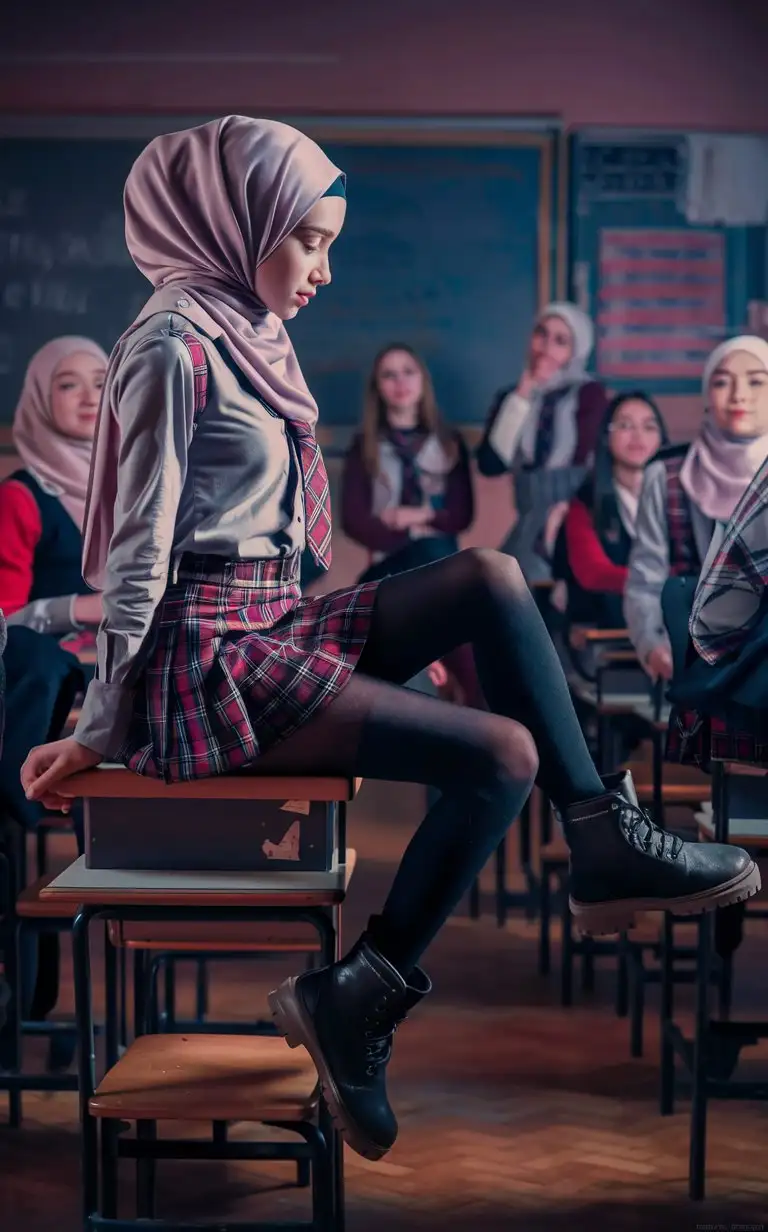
(570, 377)
(60, 463)
(719, 468)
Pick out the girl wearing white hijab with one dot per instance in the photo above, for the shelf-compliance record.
(544, 430)
(690, 493)
(42, 505)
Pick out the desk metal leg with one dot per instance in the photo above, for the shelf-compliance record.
(667, 1083)
(87, 1062)
(501, 883)
(698, 1156)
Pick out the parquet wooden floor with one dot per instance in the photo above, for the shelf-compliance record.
(516, 1115)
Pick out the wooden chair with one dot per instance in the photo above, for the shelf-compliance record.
(28, 912)
(711, 1054)
(219, 1080)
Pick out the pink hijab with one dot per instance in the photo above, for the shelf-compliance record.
(719, 468)
(203, 208)
(61, 463)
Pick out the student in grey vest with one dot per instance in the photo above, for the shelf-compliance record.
(690, 492)
(544, 429)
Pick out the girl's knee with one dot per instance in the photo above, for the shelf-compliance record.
(513, 757)
(492, 569)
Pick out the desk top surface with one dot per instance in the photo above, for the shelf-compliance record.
(113, 782)
(114, 887)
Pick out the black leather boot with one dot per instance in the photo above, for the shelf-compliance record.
(622, 863)
(345, 1016)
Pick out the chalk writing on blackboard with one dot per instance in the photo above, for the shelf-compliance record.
(661, 301)
(619, 172)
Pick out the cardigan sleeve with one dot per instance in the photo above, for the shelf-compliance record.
(155, 398)
(588, 561)
(358, 521)
(506, 419)
(648, 566)
(20, 530)
(458, 509)
(591, 408)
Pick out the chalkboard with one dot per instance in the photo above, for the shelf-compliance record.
(662, 291)
(441, 249)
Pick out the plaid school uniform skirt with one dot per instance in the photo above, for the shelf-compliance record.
(699, 739)
(239, 662)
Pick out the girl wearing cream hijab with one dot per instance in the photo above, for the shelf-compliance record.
(690, 492)
(544, 431)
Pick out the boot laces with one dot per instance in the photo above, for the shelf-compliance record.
(645, 835)
(379, 1037)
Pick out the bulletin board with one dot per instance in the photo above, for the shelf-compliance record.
(662, 292)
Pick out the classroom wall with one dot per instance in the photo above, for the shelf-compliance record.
(691, 64)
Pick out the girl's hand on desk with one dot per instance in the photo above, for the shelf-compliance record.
(51, 764)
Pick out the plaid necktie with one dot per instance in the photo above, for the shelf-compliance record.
(317, 494)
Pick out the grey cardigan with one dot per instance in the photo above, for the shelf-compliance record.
(649, 561)
(231, 488)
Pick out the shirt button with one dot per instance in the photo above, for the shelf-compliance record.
(182, 303)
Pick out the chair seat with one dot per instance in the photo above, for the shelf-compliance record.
(29, 904)
(115, 782)
(216, 935)
(673, 793)
(208, 1078)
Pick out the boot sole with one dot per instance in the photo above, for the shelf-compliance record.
(294, 1024)
(596, 919)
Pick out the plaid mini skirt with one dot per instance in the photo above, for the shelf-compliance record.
(699, 739)
(239, 662)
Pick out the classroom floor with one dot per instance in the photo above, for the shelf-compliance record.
(515, 1114)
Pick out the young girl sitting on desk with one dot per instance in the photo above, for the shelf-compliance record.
(207, 483)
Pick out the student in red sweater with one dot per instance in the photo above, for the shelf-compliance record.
(593, 547)
(42, 505)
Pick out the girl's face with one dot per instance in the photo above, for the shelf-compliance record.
(551, 347)
(75, 393)
(400, 385)
(635, 435)
(738, 395)
(291, 275)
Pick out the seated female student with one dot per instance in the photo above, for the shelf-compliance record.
(406, 489)
(599, 528)
(728, 675)
(691, 492)
(42, 506)
(544, 429)
(232, 222)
